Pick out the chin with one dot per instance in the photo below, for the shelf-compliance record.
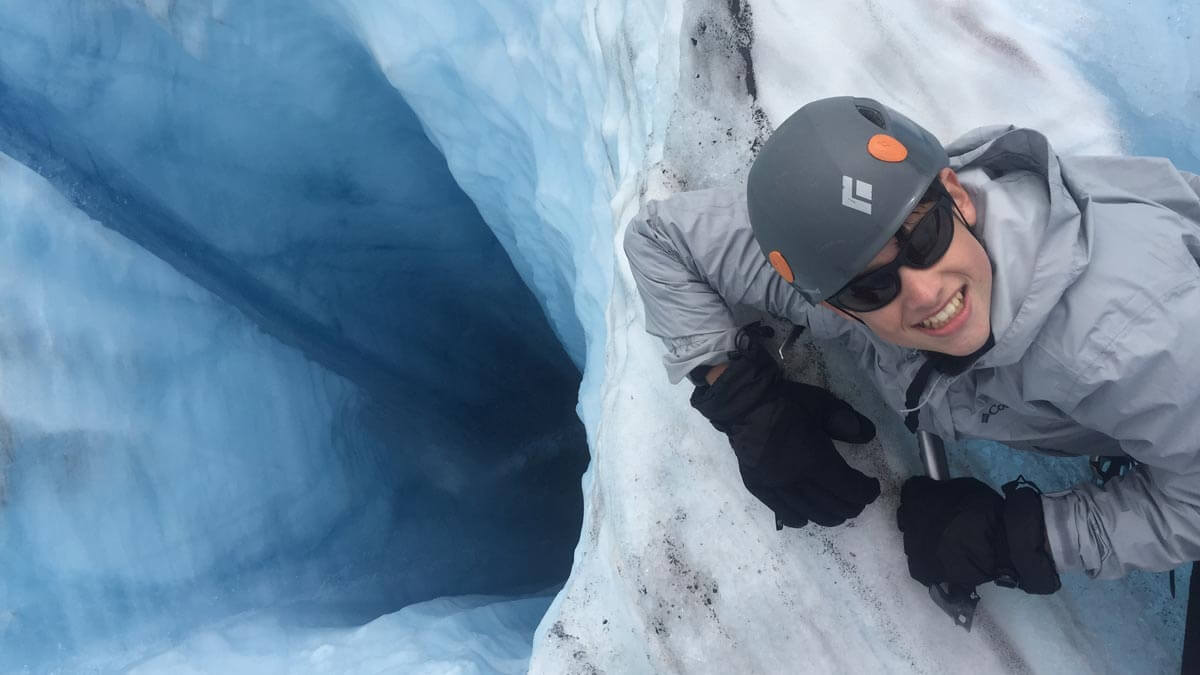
(969, 344)
(965, 350)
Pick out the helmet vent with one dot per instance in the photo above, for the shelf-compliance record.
(873, 116)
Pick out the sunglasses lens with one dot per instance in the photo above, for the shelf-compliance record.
(931, 236)
(870, 292)
(923, 246)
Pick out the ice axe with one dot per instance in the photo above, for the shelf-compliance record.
(956, 600)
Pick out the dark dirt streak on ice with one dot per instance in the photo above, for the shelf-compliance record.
(566, 641)
(717, 125)
(869, 596)
(1001, 44)
(743, 33)
(676, 601)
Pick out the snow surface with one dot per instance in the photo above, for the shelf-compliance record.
(557, 119)
(685, 573)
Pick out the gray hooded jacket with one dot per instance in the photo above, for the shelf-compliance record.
(1095, 311)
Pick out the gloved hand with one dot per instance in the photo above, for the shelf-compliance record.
(780, 432)
(964, 532)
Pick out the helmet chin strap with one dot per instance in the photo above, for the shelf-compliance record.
(945, 365)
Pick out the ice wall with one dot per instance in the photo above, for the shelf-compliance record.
(545, 111)
(449, 635)
(259, 352)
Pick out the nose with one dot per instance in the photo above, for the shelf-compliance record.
(920, 291)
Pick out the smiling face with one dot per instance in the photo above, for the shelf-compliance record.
(945, 308)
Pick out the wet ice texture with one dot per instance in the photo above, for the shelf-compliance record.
(258, 351)
(468, 634)
(557, 119)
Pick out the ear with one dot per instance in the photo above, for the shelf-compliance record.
(845, 315)
(959, 193)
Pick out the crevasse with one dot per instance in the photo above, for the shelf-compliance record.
(221, 224)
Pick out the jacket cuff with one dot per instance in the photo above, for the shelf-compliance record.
(745, 385)
(686, 353)
(1025, 527)
(1059, 518)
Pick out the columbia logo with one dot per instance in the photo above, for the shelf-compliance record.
(856, 194)
(992, 411)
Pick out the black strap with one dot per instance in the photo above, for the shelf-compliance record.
(913, 395)
(943, 363)
(1191, 633)
(1025, 527)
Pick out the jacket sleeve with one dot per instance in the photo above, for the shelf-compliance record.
(694, 257)
(1192, 180)
(1147, 396)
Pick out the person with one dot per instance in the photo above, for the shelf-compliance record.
(990, 289)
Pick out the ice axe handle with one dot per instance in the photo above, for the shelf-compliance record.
(933, 456)
(956, 600)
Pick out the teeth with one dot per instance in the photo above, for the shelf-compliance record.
(948, 312)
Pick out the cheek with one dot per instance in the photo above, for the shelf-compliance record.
(886, 323)
(981, 276)
(972, 255)
(981, 270)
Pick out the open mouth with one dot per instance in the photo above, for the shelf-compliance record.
(948, 318)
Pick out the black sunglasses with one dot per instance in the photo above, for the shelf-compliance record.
(920, 247)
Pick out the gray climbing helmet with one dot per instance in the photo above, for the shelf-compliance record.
(832, 185)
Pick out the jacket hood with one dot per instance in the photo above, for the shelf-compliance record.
(1032, 229)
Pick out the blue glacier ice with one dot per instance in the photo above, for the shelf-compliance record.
(313, 316)
(259, 349)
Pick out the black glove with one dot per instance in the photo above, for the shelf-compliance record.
(780, 431)
(964, 532)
